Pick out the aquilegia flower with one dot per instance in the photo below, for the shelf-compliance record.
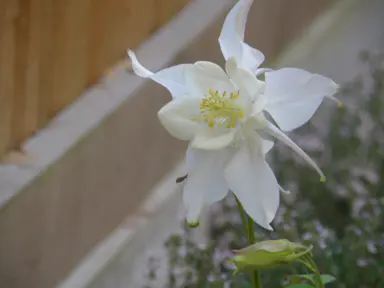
(222, 114)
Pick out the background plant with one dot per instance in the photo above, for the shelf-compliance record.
(342, 218)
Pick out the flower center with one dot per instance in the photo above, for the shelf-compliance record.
(220, 109)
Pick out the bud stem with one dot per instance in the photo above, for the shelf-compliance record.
(250, 232)
(311, 265)
(315, 270)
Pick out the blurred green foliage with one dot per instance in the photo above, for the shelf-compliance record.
(343, 218)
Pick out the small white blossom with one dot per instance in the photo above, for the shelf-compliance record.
(222, 114)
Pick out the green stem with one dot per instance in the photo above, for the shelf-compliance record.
(310, 264)
(315, 270)
(242, 215)
(249, 231)
(251, 240)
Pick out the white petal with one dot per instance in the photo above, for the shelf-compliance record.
(253, 138)
(205, 183)
(193, 198)
(213, 139)
(282, 190)
(231, 66)
(172, 78)
(266, 145)
(259, 105)
(139, 69)
(231, 38)
(275, 132)
(176, 116)
(249, 176)
(252, 58)
(261, 71)
(205, 76)
(249, 86)
(294, 95)
(334, 99)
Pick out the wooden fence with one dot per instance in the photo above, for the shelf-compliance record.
(51, 50)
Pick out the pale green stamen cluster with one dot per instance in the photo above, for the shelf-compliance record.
(220, 109)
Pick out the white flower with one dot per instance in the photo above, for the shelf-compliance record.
(222, 114)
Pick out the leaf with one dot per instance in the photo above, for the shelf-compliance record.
(300, 286)
(307, 277)
(216, 284)
(326, 278)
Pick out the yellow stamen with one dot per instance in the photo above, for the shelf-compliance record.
(218, 109)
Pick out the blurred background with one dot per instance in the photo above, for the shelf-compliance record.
(88, 193)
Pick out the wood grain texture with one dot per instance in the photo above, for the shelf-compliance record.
(8, 11)
(51, 50)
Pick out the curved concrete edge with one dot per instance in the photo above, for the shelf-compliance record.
(158, 217)
(123, 257)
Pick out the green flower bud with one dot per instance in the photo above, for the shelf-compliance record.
(268, 254)
(194, 224)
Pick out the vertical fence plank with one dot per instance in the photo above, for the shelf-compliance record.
(6, 72)
(22, 37)
(75, 17)
(141, 20)
(96, 38)
(46, 55)
(79, 51)
(61, 42)
(3, 101)
(31, 118)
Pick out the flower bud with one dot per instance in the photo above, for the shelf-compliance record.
(194, 224)
(268, 254)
